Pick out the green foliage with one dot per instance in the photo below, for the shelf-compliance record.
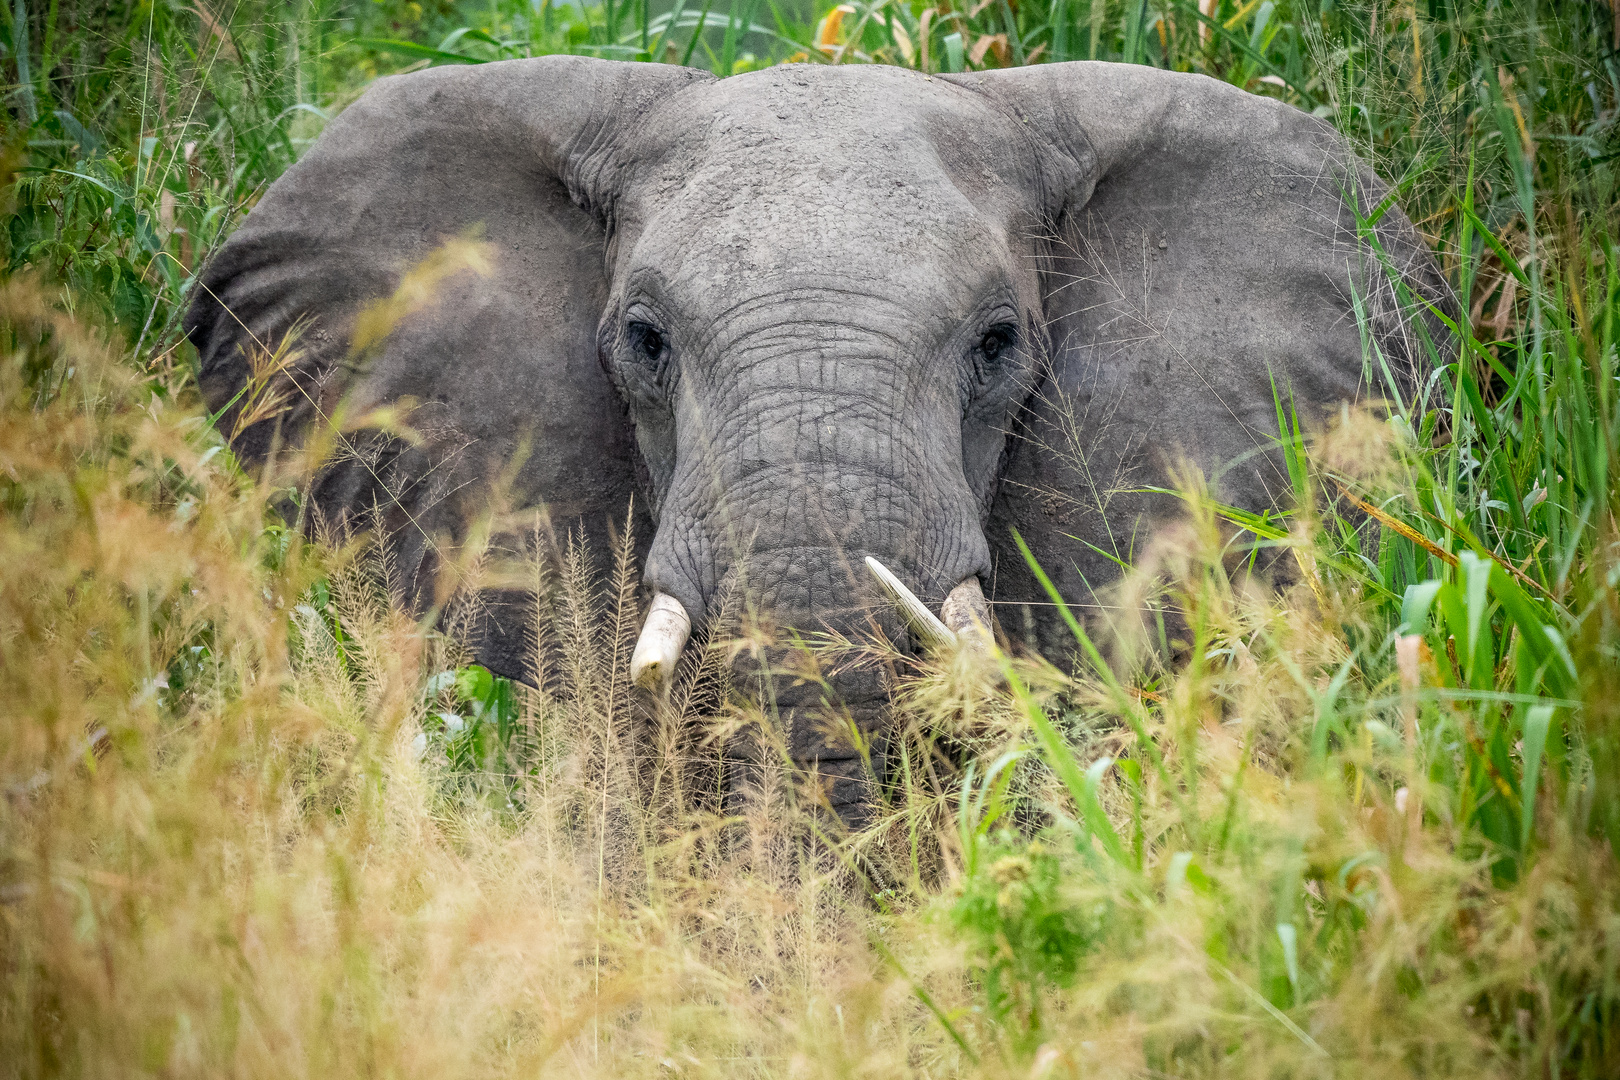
(1025, 932)
(1025, 937)
(474, 719)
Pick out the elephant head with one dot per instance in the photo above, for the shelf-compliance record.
(813, 314)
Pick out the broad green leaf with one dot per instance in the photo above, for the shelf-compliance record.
(1175, 876)
(1537, 723)
(1289, 937)
(1415, 605)
(1543, 641)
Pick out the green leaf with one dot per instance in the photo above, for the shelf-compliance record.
(1307, 99)
(1509, 263)
(1544, 642)
(1537, 723)
(1175, 876)
(1291, 441)
(1477, 596)
(1415, 605)
(475, 683)
(421, 52)
(1289, 937)
(1082, 787)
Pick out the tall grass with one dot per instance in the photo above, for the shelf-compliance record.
(256, 820)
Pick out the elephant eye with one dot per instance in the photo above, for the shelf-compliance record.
(646, 340)
(996, 340)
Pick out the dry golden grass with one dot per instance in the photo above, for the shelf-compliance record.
(255, 872)
(228, 845)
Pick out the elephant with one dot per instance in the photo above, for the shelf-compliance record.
(812, 314)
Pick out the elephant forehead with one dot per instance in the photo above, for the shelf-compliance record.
(807, 164)
(859, 102)
(844, 226)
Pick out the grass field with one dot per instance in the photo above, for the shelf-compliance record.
(255, 821)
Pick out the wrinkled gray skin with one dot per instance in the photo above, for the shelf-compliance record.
(896, 315)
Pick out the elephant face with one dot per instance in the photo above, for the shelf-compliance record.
(814, 314)
(823, 338)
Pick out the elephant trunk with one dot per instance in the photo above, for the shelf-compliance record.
(831, 728)
(799, 454)
(834, 726)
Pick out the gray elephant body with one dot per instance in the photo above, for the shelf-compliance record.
(816, 313)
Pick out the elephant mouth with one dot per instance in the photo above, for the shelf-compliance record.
(963, 621)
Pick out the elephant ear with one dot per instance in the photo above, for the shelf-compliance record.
(1210, 256)
(439, 252)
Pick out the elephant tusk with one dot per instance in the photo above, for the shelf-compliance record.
(924, 624)
(967, 613)
(658, 649)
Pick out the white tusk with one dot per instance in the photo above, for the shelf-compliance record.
(924, 624)
(967, 613)
(658, 649)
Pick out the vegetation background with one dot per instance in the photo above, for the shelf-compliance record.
(256, 821)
